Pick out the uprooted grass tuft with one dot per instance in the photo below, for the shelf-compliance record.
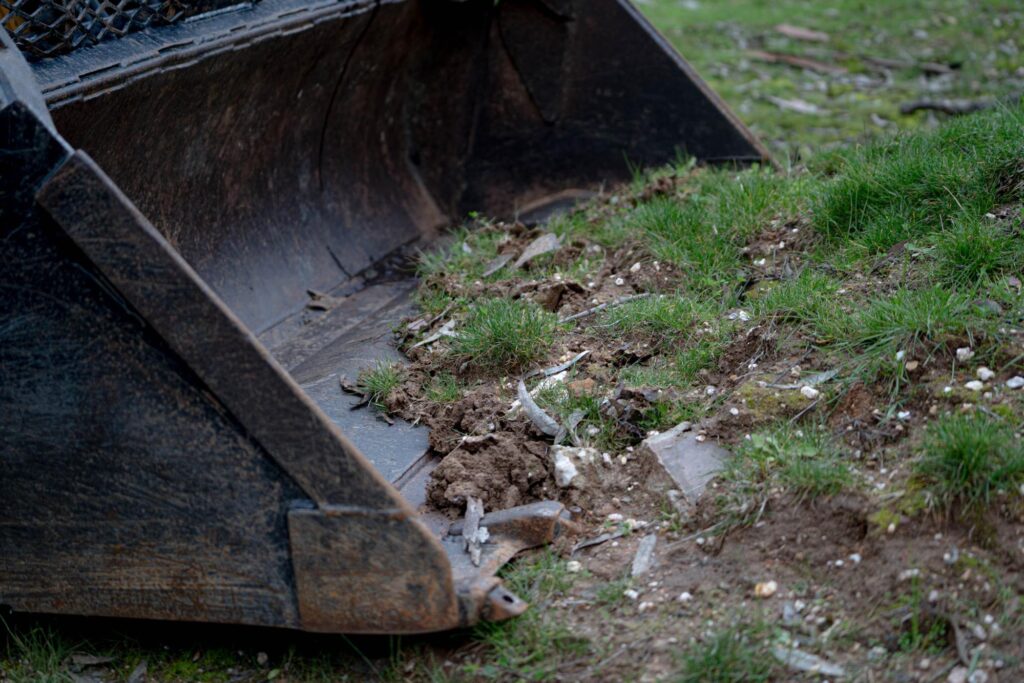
(378, 381)
(502, 335)
(966, 460)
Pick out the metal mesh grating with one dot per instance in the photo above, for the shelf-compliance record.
(45, 28)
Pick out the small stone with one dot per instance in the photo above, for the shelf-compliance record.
(615, 517)
(1015, 382)
(900, 355)
(891, 529)
(635, 268)
(908, 574)
(619, 281)
(855, 558)
(985, 374)
(710, 390)
(975, 385)
(979, 631)
(964, 354)
(912, 365)
(644, 606)
(565, 471)
(903, 415)
(631, 594)
(734, 411)
(810, 393)
(766, 589)
(979, 676)
(951, 557)
(947, 390)
(958, 675)
(924, 664)
(262, 658)
(685, 597)
(877, 653)
(933, 597)
(573, 566)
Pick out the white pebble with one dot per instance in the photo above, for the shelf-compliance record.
(734, 411)
(975, 385)
(635, 268)
(710, 390)
(947, 390)
(964, 354)
(900, 355)
(855, 558)
(903, 415)
(933, 597)
(908, 574)
(573, 566)
(1015, 382)
(631, 594)
(565, 471)
(619, 281)
(810, 393)
(685, 596)
(766, 589)
(615, 517)
(984, 374)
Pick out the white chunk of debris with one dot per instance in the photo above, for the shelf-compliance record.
(644, 558)
(964, 354)
(565, 470)
(810, 393)
(856, 558)
(710, 390)
(619, 282)
(644, 606)
(635, 268)
(903, 415)
(615, 517)
(975, 385)
(799, 660)
(685, 597)
(766, 589)
(900, 355)
(908, 574)
(631, 594)
(1015, 382)
(573, 566)
(734, 411)
(985, 374)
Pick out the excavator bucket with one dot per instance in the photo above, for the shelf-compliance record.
(176, 178)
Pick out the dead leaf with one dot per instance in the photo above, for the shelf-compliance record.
(544, 244)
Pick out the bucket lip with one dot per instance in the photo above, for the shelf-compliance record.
(111, 65)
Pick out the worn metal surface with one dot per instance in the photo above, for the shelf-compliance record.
(157, 459)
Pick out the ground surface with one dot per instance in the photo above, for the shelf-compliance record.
(823, 324)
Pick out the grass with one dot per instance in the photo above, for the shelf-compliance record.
(981, 39)
(534, 646)
(806, 462)
(662, 320)
(444, 388)
(973, 251)
(36, 655)
(736, 654)
(377, 382)
(502, 335)
(967, 460)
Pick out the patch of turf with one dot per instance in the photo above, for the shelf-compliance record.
(501, 335)
(732, 655)
(806, 462)
(912, 185)
(966, 460)
(378, 381)
(37, 655)
(533, 646)
(659, 319)
(972, 251)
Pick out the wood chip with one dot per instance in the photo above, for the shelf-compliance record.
(497, 264)
(471, 528)
(544, 244)
(801, 33)
(601, 307)
(797, 61)
(538, 417)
